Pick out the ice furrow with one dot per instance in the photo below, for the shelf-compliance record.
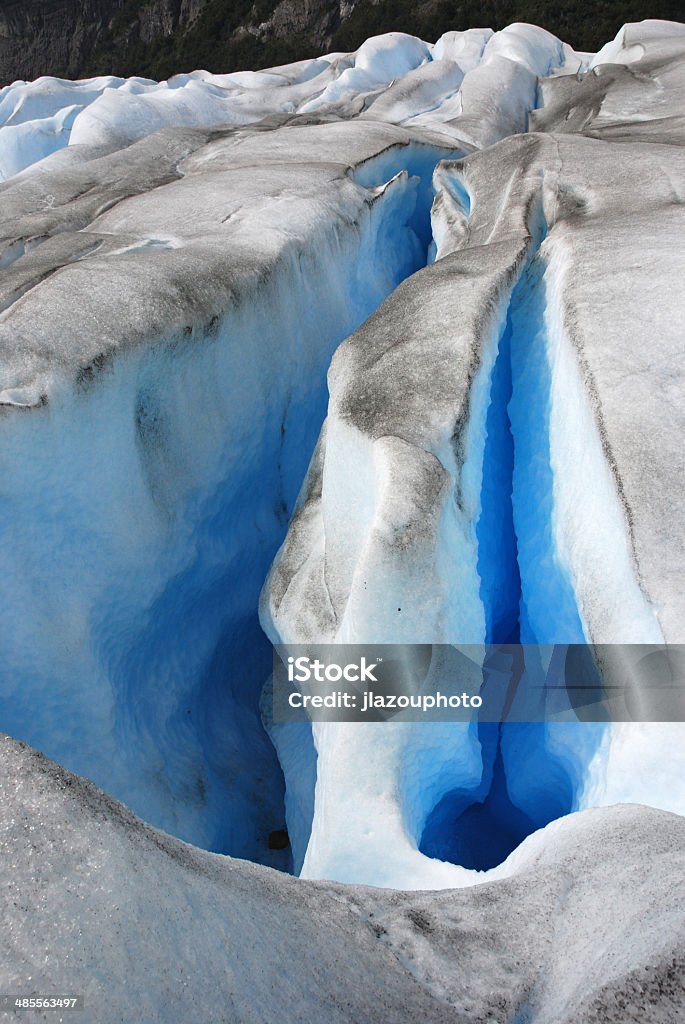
(481, 507)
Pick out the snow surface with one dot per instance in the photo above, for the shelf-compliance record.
(149, 929)
(501, 457)
(491, 76)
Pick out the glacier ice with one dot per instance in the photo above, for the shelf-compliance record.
(392, 72)
(480, 240)
(156, 479)
(403, 532)
(148, 928)
(399, 484)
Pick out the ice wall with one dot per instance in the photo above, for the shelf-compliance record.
(401, 488)
(164, 383)
(495, 467)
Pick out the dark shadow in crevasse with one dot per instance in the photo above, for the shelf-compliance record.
(480, 833)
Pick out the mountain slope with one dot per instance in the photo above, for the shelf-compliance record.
(159, 38)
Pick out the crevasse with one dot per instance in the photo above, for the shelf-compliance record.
(536, 772)
(141, 663)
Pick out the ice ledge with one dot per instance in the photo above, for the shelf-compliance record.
(100, 898)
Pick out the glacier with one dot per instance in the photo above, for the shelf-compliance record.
(148, 928)
(374, 348)
(165, 542)
(400, 534)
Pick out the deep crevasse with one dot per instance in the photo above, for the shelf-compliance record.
(165, 479)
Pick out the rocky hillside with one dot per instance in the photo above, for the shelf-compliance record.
(158, 38)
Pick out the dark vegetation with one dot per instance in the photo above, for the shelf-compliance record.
(585, 24)
(225, 35)
(216, 41)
